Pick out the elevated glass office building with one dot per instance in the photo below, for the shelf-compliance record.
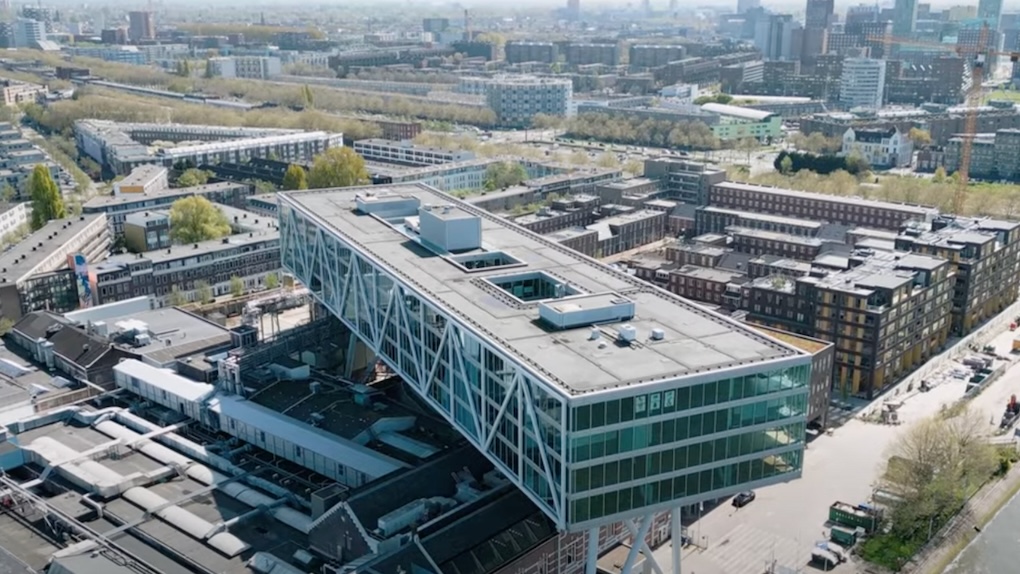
(603, 398)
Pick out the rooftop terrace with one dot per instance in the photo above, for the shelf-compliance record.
(650, 335)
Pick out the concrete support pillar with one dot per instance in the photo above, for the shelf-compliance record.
(636, 544)
(676, 538)
(591, 562)
(357, 357)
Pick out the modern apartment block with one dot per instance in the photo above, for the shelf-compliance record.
(815, 206)
(16, 92)
(886, 313)
(13, 217)
(18, 158)
(147, 231)
(246, 67)
(584, 54)
(993, 156)
(644, 56)
(144, 179)
(518, 99)
(407, 153)
(121, 147)
(36, 273)
(723, 407)
(142, 26)
(984, 255)
(862, 83)
(521, 52)
(687, 181)
(251, 253)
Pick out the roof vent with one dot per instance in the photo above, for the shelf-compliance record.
(627, 334)
(658, 334)
(595, 334)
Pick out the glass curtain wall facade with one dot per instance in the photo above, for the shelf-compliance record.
(684, 445)
(583, 465)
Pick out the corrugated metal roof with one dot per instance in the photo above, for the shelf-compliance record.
(295, 432)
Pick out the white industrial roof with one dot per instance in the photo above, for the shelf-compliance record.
(365, 460)
(163, 379)
(737, 111)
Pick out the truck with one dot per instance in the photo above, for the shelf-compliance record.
(851, 516)
(1016, 343)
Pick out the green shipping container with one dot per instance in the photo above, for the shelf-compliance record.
(850, 516)
(843, 536)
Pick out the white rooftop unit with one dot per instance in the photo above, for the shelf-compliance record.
(584, 310)
(450, 228)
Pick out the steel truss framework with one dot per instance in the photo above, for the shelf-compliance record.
(505, 410)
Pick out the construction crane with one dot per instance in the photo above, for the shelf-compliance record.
(977, 56)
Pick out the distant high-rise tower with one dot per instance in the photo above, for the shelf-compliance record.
(819, 15)
(646, 6)
(573, 9)
(990, 11)
(142, 26)
(745, 5)
(904, 18)
(673, 5)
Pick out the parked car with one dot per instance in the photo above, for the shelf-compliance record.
(743, 499)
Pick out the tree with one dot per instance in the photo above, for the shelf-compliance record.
(337, 167)
(607, 160)
(209, 70)
(503, 175)
(272, 281)
(295, 178)
(8, 193)
(748, 145)
(921, 138)
(47, 203)
(546, 121)
(307, 97)
(176, 298)
(6, 324)
(183, 68)
(855, 163)
(786, 165)
(203, 292)
(195, 218)
(634, 167)
(236, 286)
(192, 177)
(940, 175)
(933, 468)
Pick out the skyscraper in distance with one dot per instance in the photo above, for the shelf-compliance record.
(573, 9)
(142, 26)
(904, 18)
(745, 5)
(990, 11)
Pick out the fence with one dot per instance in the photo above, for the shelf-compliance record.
(992, 328)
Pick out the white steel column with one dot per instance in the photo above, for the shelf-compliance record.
(637, 543)
(591, 564)
(676, 538)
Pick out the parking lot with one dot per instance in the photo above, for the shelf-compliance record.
(784, 521)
